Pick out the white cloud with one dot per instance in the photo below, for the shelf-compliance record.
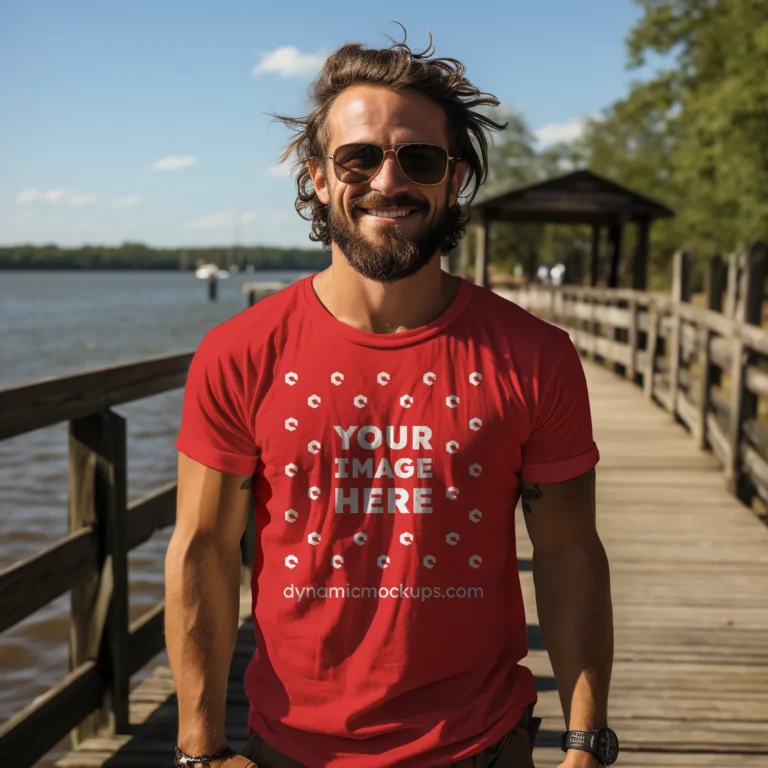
(31, 195)
(126, 202)
(173, 163)
(279, 171)
(28, 196)
(288, 61)
(85, 199)
(211, 222)
(252, 220)
(53, 195)
(553, 133)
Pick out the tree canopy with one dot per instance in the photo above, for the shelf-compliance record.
(140, 256)
(694, 136)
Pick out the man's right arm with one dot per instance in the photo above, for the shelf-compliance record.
(202, 598)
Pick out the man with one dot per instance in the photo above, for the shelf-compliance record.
(386, 416)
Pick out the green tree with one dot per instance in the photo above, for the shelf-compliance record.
(696, 135)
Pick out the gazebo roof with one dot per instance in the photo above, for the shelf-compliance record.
(581, 197)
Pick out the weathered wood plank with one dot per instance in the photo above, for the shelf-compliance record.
(756, 381)
(150, 513)
(756, 468)
(31, 584)
(614, 317)
(30, 406)
(688, 412)
(48, 719)
(720, 351)
(718, 440)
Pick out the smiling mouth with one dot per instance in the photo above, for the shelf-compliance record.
(391, 214)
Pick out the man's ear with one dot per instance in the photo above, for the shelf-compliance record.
(317, 174)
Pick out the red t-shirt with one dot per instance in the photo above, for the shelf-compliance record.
(387, 605)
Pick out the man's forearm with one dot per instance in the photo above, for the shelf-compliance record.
(201, 616)
(573, 599)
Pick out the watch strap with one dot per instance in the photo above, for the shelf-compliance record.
(586, 741)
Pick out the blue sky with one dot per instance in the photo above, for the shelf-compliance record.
(147, 120)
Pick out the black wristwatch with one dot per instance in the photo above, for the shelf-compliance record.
(602, 743)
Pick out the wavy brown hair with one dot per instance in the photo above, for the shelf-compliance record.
(396, 67)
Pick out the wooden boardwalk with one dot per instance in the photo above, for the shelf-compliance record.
(689, 569)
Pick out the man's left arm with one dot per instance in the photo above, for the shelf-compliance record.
(573, 597)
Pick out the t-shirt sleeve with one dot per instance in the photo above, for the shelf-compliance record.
(213, 418)
(561, 445)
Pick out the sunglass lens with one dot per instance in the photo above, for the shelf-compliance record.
(423, 163)
(356, 163)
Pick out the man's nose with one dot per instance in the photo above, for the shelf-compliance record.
(390, 179)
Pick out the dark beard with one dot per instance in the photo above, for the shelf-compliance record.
(394, 257)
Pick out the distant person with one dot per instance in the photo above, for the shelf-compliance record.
(386, 417)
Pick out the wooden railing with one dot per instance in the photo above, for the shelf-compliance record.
(708, 366)
(92, 561)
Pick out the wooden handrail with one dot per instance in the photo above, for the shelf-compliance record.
(27, 407)
(679, 353)
(91, 562)
(31, 584)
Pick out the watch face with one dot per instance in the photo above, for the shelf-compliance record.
(607, 747)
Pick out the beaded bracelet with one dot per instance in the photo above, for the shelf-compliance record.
(182, 758)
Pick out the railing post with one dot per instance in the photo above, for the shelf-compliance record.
(732, 289)
(681, 293)
(99, 628)
(749, 309)
(632, 337)
(617, 336)
(592, 326)
(715, 284)
(652, 343)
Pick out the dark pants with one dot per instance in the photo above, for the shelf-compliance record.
(513, 750)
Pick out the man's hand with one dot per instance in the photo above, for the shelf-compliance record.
(576, 758)
(238, 761)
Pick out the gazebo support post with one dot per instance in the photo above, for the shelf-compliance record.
(616, 231)
(595, 264)
(640, 276)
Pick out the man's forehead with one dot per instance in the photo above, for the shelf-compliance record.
(367, 113)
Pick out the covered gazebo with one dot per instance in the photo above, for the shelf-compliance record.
(581, 197)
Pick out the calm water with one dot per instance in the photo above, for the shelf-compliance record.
(52, 323)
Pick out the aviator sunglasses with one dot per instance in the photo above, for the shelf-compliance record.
(424, 164)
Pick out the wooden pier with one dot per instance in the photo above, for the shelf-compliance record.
(689, 565)
(682, 462)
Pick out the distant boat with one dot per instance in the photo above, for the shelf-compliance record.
(204, 271)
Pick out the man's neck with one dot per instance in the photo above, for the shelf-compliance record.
(385, 307)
